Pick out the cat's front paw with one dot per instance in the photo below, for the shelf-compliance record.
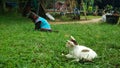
(76, 60)
(69, 56)
(63, 54)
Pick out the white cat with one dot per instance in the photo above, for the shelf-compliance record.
(79, 52)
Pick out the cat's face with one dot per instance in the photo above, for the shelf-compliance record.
(71, 43)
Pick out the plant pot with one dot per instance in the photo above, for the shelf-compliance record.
(112, 19)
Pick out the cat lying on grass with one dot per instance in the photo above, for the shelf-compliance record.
(79, 52)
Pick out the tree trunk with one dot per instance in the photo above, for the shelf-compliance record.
(3, 6)
(41, 9)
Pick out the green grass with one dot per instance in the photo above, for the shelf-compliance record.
(22, 47)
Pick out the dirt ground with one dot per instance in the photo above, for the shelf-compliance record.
(96, 20)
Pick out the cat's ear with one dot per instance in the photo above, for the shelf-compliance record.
(73, 40)
(69, 42)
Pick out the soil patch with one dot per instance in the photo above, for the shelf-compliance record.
(96, 20)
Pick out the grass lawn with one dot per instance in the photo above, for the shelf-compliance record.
(22, 47)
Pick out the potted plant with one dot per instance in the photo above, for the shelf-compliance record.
(113, 18)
